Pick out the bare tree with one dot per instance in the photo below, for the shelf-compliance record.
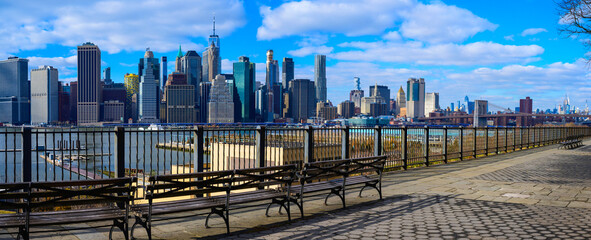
(575, 18)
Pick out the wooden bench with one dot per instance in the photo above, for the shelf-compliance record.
(36, 203)
(571, 142)
(337, 176)
(218, 191)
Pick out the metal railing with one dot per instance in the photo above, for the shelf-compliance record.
(55, 154)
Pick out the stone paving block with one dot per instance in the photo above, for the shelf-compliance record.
(579, 204)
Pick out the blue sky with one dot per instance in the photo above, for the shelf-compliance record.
(500, 50)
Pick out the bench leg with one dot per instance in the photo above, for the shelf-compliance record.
(138, 220)
(121, 225)
(23, 231)
(220, 212)
(335, 191)
(373, 185)
(274, 201)
(294, 201)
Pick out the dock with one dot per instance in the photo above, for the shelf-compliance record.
(69, 167)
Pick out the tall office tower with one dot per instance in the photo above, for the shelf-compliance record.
(400, 100)
(525, 105)
(415, 98)
(73, 102)
(149, 92)
(244, 77)
(431, 103)
(231, 84)
(15, 93)
(204, 90)
(384, 93)
(44, 95)
(221, 104)
(180, 99)
(164, 69)
(212, 63)
(63, 102)
(132, 86)
(355, 96)
(287, 73)
(89, 83)
(346, 109)
(320, 77)
(191, 66)
(107, 76)
(302, 95)
(260, 96)
(273, 97)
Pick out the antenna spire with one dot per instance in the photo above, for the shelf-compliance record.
(214, 24)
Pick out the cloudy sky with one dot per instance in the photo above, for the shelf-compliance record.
(499, 50)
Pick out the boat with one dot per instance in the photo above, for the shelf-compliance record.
(154, 127)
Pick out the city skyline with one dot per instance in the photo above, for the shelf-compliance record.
(496, 54)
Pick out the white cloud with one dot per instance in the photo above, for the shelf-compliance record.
(114, 25)
(309, 50)
(478, 53)
(532, 31)
(350, 17)
(392, 36)
(440, 23)
(509, 38)
(227, 66)
(65, 65)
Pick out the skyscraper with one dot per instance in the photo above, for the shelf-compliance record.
(63, 110)
(132, 85)
(44, 95)
(287, 73)
(431, 103)
(274, 92)
(164, 69)
(384, 93)
(89, 84)
(355, 96)
(204, 90)
(212, 63)
(375, 105)
(415, 99)
(244, 76)
(221, 104)
(15, 93)
(400, 100)
(525, 105)
(191, 66)
(320, 77)
(149, 92)
(180, 99)
(346, 109)
(107, 76)
(302, 99)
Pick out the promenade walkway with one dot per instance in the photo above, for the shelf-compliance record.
(534, 194)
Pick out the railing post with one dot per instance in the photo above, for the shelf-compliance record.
(377, 141)
(496, 140)
(120, 152)
(345, 142)
(461, 143)
(198, 151)
(486, 141)
(534, 136)
(445, 157)
(528, 136)
(506, 141)
(404, 147)
(427, 146)
(475, 135)
(261, 147)
(309, 144)
(26, 171)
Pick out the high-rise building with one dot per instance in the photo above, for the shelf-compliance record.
(107, 76)
(180, 99)
(149, 92)
(384, 93)
(191, 66)
(325, 111)
(221, 104)
(375, 105)
(525, 105)
(355, 96)
(204, 90)
(431, 103)
(164, 70)
(320, 77)
(260, 96)
(63, 93)
(302, 97)
(400, 101)
(132, 85)
(89, 83)
(15, 93)
(114, 111)
(244, 76)
(212, 63)
(44, 95)
(346, 109)
(73, 102)
(274, 91)
(415, 98)
(287, 73)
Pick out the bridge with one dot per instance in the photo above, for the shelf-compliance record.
(502, 119)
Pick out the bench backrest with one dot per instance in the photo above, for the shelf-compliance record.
(48, 195)
(263, 177)
(342, 168)
(190, 184)
(13, 196)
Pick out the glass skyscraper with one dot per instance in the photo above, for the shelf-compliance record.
(15, 92)
(287, 73)
(149, 92)
(244, 77)
(320, 77)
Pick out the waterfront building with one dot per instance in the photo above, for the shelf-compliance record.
(325, 111)
(73, 101)
(180, 99)
(287, 73)
(44, 95)
(244, 76)
(302, 95)
(320, 77)
(525, 105)
(375, 105)
(132, 85)
(149, 91)
(115, 91)
(89, 83)
(107, 76)
(204, 90)
(221, 104)
(346, 109)
(415, 99)
(114, 111)
(431, 103)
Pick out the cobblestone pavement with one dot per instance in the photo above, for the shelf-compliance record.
(436, 217)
